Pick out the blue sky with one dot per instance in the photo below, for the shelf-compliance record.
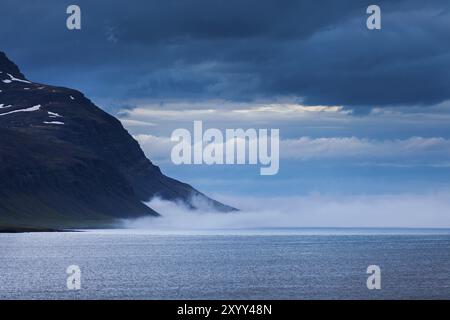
(360, 112)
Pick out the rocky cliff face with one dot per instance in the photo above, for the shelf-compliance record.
(66, 163)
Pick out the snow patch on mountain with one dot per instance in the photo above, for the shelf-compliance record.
(31, 109)
(53, 122)
(12, 78)
(54, 114)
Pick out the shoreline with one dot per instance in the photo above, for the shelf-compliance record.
(28, 230)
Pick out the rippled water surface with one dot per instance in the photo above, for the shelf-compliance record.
(265, 264)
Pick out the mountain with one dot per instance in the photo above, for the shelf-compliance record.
(65, 163)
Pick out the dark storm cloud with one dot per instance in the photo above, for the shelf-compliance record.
(319, 51)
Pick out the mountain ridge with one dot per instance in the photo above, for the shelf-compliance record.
(66, 163)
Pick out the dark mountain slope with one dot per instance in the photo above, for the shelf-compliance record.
(66, 163)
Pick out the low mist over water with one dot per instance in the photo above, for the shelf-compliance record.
(385, 211)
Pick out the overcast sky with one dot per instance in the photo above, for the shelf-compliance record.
(359, 111)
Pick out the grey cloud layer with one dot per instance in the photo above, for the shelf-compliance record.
(414, 151)
(318, 52)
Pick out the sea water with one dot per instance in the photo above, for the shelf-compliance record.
(227, 264)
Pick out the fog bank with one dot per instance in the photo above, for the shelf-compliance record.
(371, 211)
